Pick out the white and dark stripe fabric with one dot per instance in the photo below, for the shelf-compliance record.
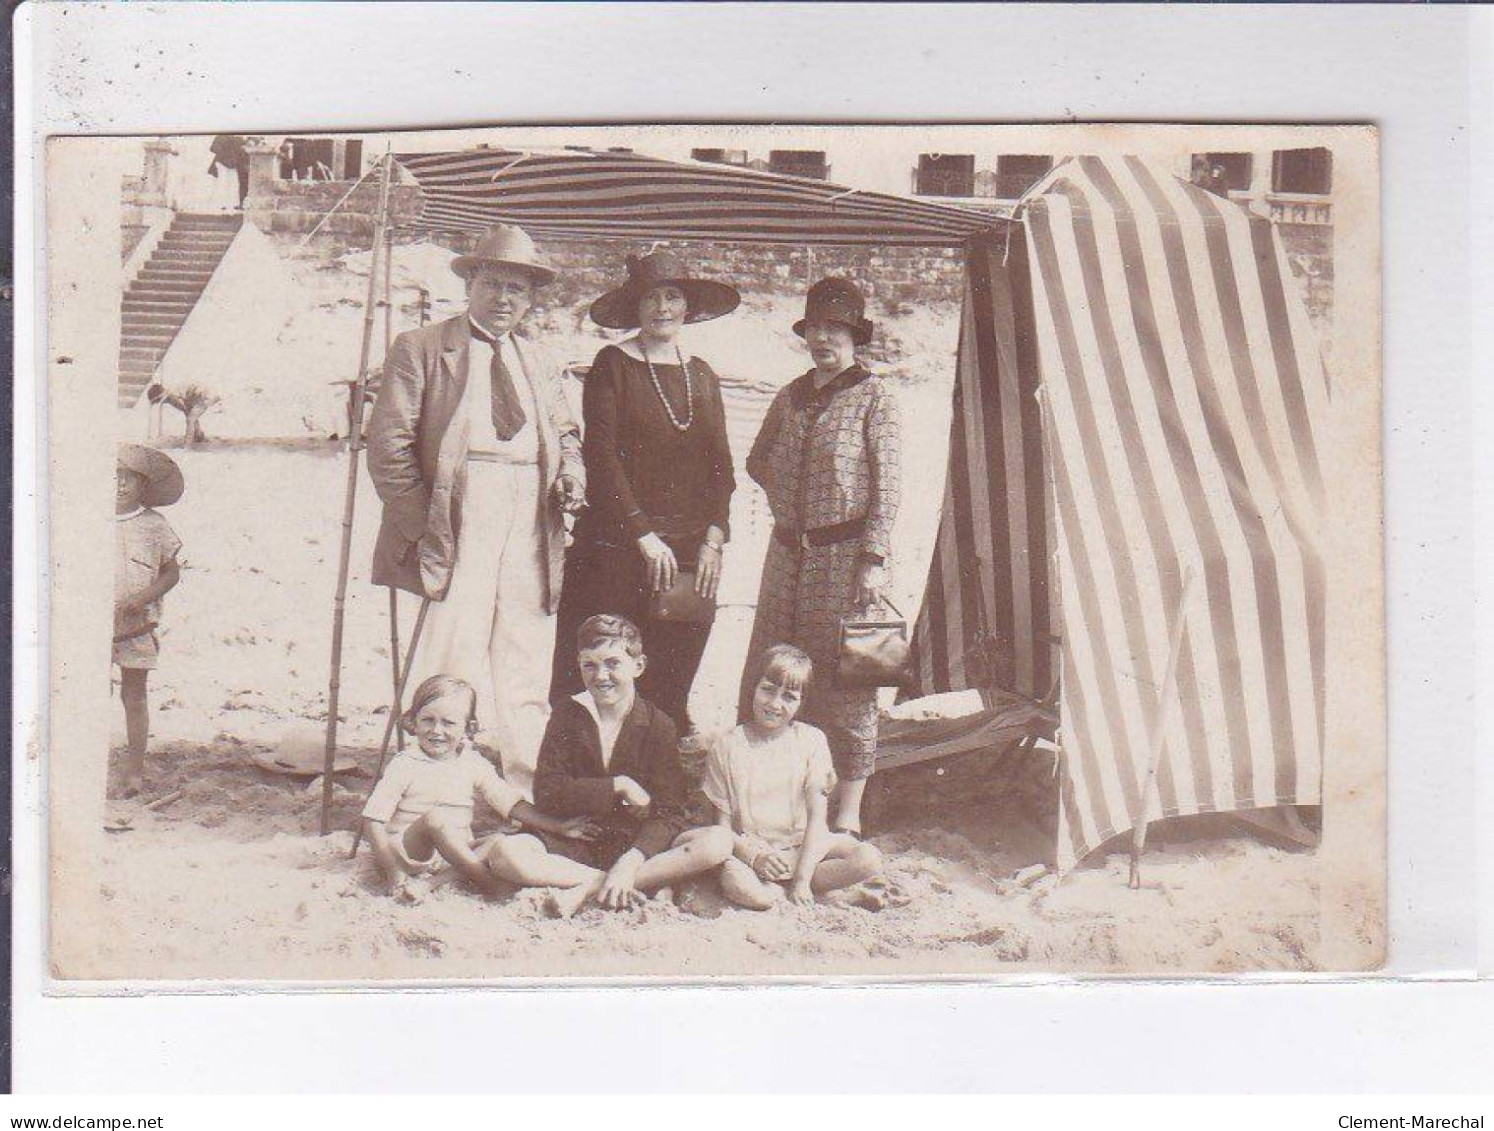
(1139, 394)
(591, 194)
(987, 613)
(1185, 402)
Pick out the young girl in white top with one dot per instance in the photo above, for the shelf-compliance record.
(420, 812)
(769, 780)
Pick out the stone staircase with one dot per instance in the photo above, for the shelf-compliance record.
(158, 300)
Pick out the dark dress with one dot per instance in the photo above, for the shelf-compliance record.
(644, 475)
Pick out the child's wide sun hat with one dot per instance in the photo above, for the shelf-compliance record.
(163, 479)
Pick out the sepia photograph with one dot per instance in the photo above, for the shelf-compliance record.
(715, 551)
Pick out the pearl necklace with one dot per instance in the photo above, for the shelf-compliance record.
(658, 388)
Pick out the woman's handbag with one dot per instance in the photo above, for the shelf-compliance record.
(875, 653)
(680, 603)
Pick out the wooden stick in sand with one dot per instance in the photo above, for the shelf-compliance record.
(392, 722)
(399, 735)
(355, 443)
(1157, 732)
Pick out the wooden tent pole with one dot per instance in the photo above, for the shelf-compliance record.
(1157, 731)
(399, 738)
(355, 443)
(391, 724)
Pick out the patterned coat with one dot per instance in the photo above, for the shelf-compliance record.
(826, 457)
(417, 456)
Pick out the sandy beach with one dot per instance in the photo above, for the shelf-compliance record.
(230, 879)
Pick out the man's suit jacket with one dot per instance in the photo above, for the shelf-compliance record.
(417, 456)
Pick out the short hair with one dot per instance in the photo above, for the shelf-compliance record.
(439, 687)
(604, 628)
(785, 665)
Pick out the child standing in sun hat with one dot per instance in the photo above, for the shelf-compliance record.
(145, 570)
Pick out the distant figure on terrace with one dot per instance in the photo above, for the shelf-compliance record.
(650, 545)
(474, 451)
(230, 164)
(828, 455)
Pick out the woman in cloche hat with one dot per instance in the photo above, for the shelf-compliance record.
(145, 570)
(659, 481)
(828, 457)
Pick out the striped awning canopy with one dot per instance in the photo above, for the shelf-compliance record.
(580, 194)
(1140, 399)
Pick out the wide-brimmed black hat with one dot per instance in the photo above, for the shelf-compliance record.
(505, 245)
(163, 479)
(837, 300)
(618, 308)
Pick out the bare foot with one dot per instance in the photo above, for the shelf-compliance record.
(411, 891)
(562, 903)
(664, 895)
(870, 899)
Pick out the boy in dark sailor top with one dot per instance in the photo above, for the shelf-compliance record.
(610, 755)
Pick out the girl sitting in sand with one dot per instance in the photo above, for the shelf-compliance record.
(145, 570)
(769, 780)
(420, 812)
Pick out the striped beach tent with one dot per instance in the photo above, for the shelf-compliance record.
(1141, 398)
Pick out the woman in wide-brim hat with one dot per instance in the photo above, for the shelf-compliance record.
(828, 456)
(659, 477)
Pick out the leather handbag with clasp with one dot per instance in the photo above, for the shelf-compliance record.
(680, 603)
(875, 653)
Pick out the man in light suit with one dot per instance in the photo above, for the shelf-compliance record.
(477, 457)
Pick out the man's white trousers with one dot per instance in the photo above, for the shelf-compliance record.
(492, 629)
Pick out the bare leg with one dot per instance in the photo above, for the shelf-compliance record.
(436, 832)
(524, 860)
(694, 851)
(849, 861)
(740, 884)
(848, 805)
(132, 693)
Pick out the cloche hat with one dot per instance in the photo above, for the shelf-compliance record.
(837, 300)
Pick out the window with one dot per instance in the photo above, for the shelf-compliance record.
(352, 161)
(1235, 169)
(720, 156)
(307, 158)
(799, 163)
(945, 174)
(1302, 171)
(1016, 173)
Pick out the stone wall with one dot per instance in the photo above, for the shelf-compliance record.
(130, 236)
(892, 278)
(299, 206)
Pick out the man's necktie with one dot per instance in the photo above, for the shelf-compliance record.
(508, 412)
